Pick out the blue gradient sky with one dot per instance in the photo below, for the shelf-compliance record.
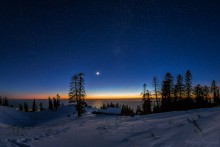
(43, 43)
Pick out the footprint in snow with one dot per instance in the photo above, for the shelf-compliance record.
(125, 140)
(36, 138)
(47, 134)
(17, 142)
(2, 144)
(26, 140)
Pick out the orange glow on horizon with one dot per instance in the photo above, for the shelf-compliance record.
(112, 97)
(35, 96)
(65, 96)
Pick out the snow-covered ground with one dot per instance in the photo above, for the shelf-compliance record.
(199, 127)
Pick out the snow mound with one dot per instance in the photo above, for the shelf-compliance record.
(11, 116)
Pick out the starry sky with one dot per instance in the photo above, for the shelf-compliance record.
(44, 42)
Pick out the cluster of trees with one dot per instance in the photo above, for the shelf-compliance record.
(4, 101)
(125, 109)
(178, 96)
(145, 107)
(173, 96)
(24, 108)
(53, 104)
(77, 93)
(105, 106)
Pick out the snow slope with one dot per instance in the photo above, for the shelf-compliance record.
(10, 116)
(199, 127)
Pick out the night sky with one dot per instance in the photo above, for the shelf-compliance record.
(44, 42)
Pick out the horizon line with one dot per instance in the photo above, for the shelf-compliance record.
(104, 98)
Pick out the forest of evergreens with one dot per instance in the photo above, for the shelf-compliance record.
(173, 96)
(179, 95)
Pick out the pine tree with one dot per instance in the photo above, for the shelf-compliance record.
(180, 86)
(167, 86)
(206, 96)
(41, 106)
(218, 94)
(54, 103)
(214, 89)
(146, 102)
(175, 92)
(167, 92)
(82, 93)
(117, 105)
(20, 107)
(0, 100)
(50, 104)
(126, 110)
(5, 101)
(156, 85)
(34, 106)
(112, 105)
(199, 96)
(188, 84)
(77, 92)
(25, 107)
(58, 100)
(138, 110)
(73, 92)
(206, 92)
(103, 106)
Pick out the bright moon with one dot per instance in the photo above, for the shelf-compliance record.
(97, 73)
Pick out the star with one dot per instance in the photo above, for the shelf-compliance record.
(97, 73)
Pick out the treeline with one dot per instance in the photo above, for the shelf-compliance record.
(4, 101)
(179, 95)
(53, 104)
(173, 96)
(125, 109)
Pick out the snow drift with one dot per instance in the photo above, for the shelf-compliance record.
(11, 116)
(199, 127)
